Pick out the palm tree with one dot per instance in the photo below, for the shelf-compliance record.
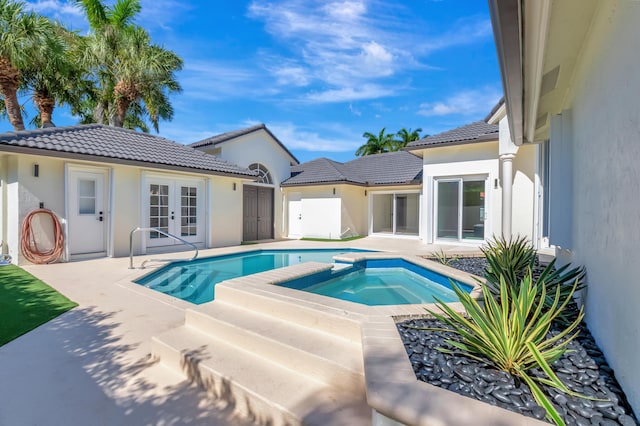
(145, 75)
(133, 76)
(22, 37)
(376, 144)
(406, 136)
(55, 76)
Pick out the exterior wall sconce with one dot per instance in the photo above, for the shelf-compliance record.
(365, 192)
(334, 191)
(36, 170)
(233, 186)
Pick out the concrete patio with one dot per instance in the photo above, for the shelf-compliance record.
(92, 365)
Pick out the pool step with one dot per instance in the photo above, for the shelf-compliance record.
(317, 354)
(301, 309)
(264, 391)
(193, 284)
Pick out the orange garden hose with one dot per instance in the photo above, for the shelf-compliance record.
(29, 246)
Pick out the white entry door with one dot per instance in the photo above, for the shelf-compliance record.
(176, 207)
(87, 212)
(295, 214)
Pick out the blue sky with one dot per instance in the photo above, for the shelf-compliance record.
(318, 73)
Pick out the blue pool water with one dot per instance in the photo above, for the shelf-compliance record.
(381, 282)
(195, 281)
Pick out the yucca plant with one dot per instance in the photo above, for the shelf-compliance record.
(512, 259)
(508, 259)
(512, 333)
(442, 257)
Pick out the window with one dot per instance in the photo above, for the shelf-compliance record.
(263, 173)
(86, 196)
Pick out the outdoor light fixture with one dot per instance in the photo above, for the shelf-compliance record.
(334, 191)
(36, 170)
(234, 186)
(365, 192)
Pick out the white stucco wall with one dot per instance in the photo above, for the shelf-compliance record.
(482, 159)
(479, 159)
(354, 209)
(524, 172)
(225, 211)
(259, 147)
(25, 194)
(606, 182)
(3, 203)
(126, 209)
(321, 210)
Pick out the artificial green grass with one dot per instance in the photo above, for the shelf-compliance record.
(26, 302)
(357, 237)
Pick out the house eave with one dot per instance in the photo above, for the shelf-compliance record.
(506, 20)
(124, 162)
(491, 137)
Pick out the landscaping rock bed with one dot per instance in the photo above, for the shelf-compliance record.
(583, 370)
(472, 265)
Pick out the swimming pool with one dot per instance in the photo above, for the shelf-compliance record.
(195, 281)
(376, 282)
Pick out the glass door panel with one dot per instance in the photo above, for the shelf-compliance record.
(158, 210)
(448, 205)
(383, 213)
(407, 214)
(188, 211)
(473, 210)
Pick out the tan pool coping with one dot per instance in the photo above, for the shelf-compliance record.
(92, 362)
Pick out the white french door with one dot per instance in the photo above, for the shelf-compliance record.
(460, 208)
(175, 206)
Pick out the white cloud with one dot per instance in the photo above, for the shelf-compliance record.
(346, 10)
(162, 13)
(355, 111)
(69, 13)
(291, 76)
(345, 45)
(217, 80)
(296, 138)
(466, 102)
(346, 94)
(56, 7)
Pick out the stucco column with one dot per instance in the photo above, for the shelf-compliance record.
(506, 163)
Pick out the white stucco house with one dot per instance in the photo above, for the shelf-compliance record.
(445, 188)
(259, 150)
(570, 75)
(462, 186)
(102, 182)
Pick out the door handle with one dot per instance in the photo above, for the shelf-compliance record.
(300, 217)
(100, 216)
(172, 216)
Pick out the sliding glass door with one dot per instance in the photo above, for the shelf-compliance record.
(460, 209)
(396, 213)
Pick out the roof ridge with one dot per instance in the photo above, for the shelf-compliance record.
(333, 164)
(242, 131)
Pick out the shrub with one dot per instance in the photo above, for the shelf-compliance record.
(512, 260)
(511, 332)
(442, 257)
(508, 259)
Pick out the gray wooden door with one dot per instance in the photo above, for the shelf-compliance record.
(265, 213)
(257, 213)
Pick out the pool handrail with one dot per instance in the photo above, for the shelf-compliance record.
(160, 231)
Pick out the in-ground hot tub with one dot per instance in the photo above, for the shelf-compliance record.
(377, 282)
